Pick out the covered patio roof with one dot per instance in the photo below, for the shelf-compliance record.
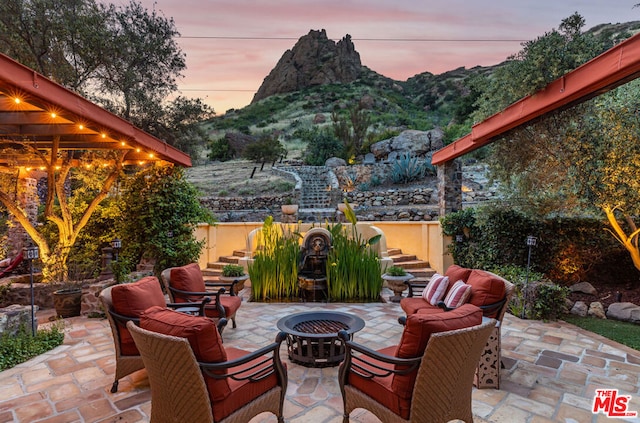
(44, 114)
(614, 67)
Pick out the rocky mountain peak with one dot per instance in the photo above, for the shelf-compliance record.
(313, 60)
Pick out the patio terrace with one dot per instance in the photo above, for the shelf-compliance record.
(552, 372)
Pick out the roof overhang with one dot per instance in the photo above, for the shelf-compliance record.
(614, 67)
(36, 110)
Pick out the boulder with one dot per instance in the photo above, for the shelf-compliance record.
(15, 316)
(416, 143)
(580, 308)
(583, 287)
(335, 162)
(238, 142)
(596, 309)
(627, 312)
(319, 118)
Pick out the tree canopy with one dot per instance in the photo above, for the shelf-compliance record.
(124, 58)
(580, 160)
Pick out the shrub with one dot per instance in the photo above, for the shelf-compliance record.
(16, 349)
(396, 271)
(232, 270)
(321, 146)
(162, 210)
(267, 149)
(220, 150)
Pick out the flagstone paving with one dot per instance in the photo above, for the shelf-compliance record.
(551, 374)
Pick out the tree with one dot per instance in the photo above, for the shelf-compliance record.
(267, 148)
(540, 61)
(579, 160)
(608, 165)
(69, 212)
(123, 58)
(160, 212)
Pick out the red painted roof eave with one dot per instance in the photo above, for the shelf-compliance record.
(29, 82)
(612, 68)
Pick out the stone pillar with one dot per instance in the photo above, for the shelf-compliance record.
(27, 199)
(449, 187)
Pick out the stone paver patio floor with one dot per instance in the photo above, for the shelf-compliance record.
(552, 372)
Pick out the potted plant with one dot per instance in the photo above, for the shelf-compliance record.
(288, 207)
(67, 300)
(396, 279)
(234, 272)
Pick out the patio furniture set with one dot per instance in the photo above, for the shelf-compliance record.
(428, 376)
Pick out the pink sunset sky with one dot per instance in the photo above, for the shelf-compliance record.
(231, 46)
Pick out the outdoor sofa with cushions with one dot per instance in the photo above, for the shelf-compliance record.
(488, 291)
(193, 377)
(428, 376)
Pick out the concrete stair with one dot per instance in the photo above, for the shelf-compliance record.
(214, 269)
(418, 268)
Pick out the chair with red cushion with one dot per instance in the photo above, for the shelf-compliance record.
(194, 378)
(427, 377)
(126, 302)
(186, 283)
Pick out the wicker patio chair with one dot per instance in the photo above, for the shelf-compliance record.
(136, 297)
(186, 283)
(435, 386)
(235, 388)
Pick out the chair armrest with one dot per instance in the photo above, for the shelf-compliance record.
(415, 285)
(121, 319)
(231, 286)
(351, 362)
(200, 305)
(490, 308)
(214, 297)
(257, 371)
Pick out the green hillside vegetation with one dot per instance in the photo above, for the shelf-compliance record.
(423, 102)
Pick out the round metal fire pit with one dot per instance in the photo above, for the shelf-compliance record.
(312, 336)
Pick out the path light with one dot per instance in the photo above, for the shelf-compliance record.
(531, 242)
(31, 253)
(116, 245)
(459, 238)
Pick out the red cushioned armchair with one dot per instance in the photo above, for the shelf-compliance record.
(194, 378)
(427, 377)
(126, 302)
(186, 283)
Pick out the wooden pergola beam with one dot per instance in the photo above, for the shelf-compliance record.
(614, 67)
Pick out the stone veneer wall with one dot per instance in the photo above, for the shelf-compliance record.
(19, 292)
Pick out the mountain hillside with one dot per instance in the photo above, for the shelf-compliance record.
(314, 60)
(319, 77)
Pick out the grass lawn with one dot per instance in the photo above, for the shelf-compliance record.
(623, 332)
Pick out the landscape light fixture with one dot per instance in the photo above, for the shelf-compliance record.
(31, 253)
(531, 242)
(116, 245)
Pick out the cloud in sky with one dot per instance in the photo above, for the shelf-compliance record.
(227, 72)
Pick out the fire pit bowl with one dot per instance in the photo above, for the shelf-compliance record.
(312, 336)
